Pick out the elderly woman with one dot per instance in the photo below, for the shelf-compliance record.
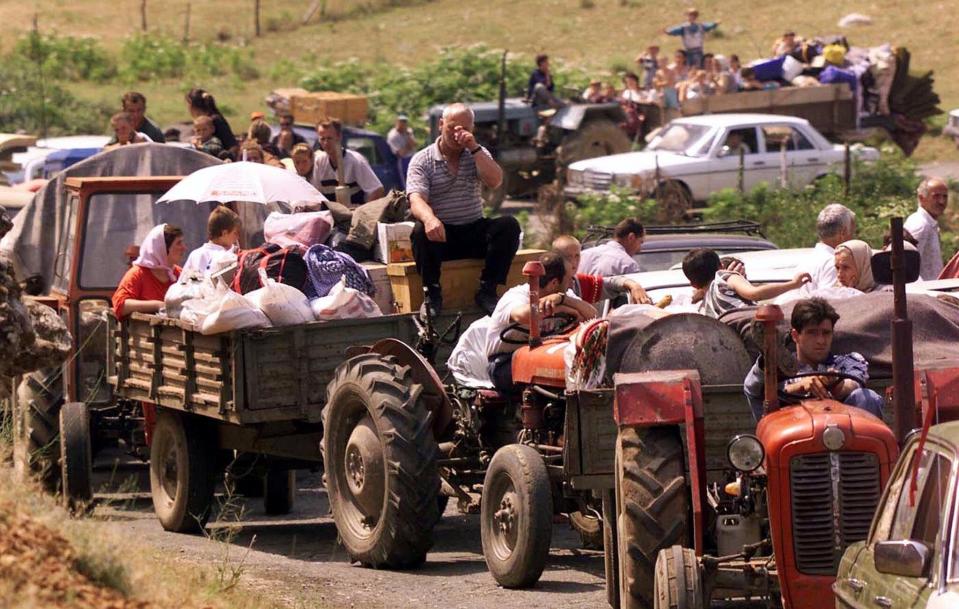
(853, 266)
(145, 284)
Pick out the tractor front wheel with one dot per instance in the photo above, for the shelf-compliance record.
(76, 454)
(516, 516)
(652, 505)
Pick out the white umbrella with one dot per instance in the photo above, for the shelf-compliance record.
(243, 181)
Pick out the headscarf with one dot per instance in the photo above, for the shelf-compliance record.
(153, 254)
(862, 258)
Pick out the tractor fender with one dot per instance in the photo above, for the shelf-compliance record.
(574, 116)
(434, 394)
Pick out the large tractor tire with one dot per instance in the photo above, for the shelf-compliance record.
(182, 466)
(599, 137)
(380, 461)
(679, 580)
(674, 201)
(76, 455)
(652, 505)
(611, 548)
(279, 491)
(36, 445)
(516, 516)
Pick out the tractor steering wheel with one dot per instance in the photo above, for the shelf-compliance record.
(796, 397)
(568, 322)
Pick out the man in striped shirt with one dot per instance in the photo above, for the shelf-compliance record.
(443, 185)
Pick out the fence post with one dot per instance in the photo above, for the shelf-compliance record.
(741, 177)
(186, 25)
(846, 170)
(256, 17)
(143, 15)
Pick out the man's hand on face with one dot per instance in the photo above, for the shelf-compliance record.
(435, 230)
(464, 138)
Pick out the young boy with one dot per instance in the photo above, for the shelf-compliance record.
(123, 131)
(203, 138)
(725, 290)
(223, 232)
(693, 35)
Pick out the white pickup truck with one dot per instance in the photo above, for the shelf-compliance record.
(695, 156)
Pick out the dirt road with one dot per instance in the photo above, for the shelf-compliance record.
(296, 558)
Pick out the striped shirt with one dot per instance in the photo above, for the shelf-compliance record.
(455, 199)
(721, 297)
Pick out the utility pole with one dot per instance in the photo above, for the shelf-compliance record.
(143, 15)
(186, 25)
(256, 17)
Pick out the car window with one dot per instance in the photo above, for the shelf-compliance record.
(744, 139)
(365, 146)
(679, 138)
(777, 135)
(920, 519)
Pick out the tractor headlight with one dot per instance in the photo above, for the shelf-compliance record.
(745, 452)
(833, 438)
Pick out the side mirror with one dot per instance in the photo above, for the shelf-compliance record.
(882, 269)
(724, 151)
(904, 558)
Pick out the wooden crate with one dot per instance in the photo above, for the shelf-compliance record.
(460, 280)
(321, 105)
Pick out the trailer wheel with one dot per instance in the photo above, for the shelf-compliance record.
(76, 454)
(380, 462)
(611, 548)
(598, 137)
(674, 200)
(679, 580)
(36, 449)
(280, 491)
(589, 527)
(652, 505)
(182, 456)
(516, 516)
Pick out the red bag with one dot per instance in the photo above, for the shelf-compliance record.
(282, 264)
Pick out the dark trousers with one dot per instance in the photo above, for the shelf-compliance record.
(500, 368)
(494, 240)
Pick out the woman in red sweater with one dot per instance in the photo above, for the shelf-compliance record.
(144, 286)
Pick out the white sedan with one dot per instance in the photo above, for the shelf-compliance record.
(695, 156)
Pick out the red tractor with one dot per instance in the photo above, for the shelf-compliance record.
(699, 502)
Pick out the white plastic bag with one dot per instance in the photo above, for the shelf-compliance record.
(195, 310)
(283, 304)
(303, 229)
(232, 311)
(189, 287)
(344, 303)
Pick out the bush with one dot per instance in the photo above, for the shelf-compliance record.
(155, 56)
(30, 105)
(63, 58)
(607, 209)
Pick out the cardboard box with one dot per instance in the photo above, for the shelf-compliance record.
(384, 290)
(321, 105)
(393, 242)
(459, 279)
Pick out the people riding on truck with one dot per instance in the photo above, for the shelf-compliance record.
(145, 284)
(223, 231)
(615, 257)
(555, 298)
(812, 329)
(593, 288)
(443, 186)
(835, 224)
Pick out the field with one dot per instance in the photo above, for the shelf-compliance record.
(600, 36)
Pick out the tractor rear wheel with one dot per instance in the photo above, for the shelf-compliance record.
(611, 548)
(380, 462)
(679, 580)
(652, 505)
(76, 454)
(36, 447)
(674, 201)
(599, 137)
(182, 462)
(516, 516)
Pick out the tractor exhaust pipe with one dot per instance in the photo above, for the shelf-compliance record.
(770, 316)
(533, 270)
(904, 396)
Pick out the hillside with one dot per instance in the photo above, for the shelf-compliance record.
(603, 38)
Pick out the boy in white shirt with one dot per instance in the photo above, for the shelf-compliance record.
(223, 232)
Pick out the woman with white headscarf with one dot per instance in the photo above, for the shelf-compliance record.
(854, 266)
(144, 286)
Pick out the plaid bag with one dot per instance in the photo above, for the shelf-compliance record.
(325, 266)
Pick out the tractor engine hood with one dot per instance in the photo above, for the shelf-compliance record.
(543, 365)
(826, 464)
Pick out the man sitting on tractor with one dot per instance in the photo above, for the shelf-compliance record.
(513, 310)
(812, 324)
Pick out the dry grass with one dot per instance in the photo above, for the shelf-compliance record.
(83, 563)
(602, 38)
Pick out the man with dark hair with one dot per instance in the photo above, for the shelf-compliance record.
(615, 257)
(539, 90)
(593, 288)
(513, 308)
(135, 104)
(357, 173)
(813, 322)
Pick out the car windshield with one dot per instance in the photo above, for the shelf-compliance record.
(681, 138)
